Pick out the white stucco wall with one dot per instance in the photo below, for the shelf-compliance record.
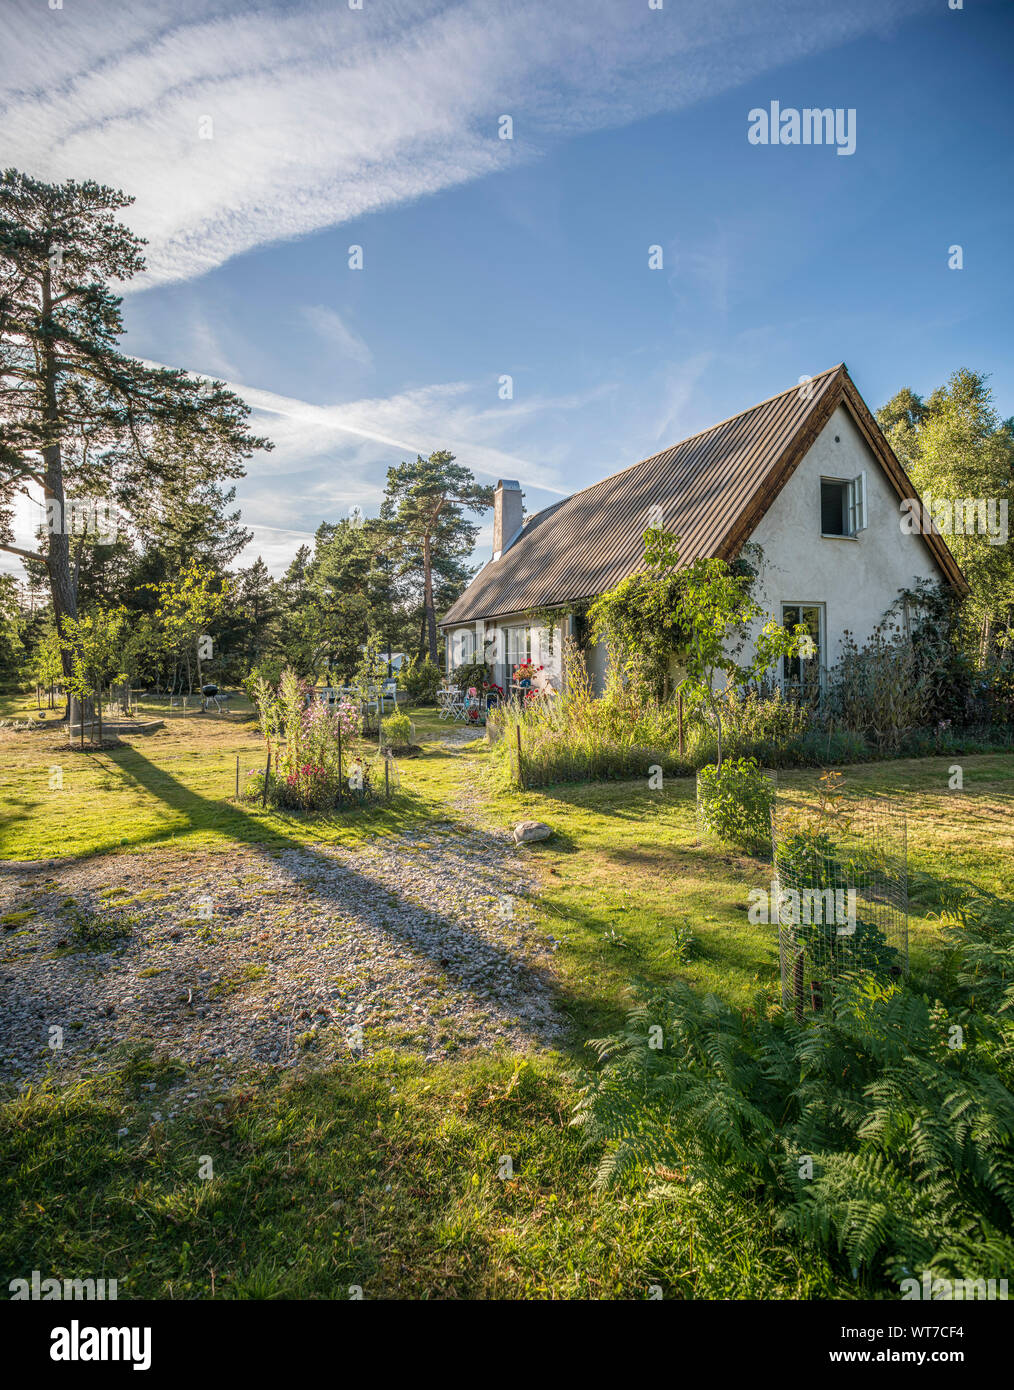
(856, 579)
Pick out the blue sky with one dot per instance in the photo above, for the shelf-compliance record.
(483, 257)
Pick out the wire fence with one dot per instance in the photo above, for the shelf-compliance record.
(840, 893)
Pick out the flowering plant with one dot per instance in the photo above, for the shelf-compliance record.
(525, 671)
(309, 741)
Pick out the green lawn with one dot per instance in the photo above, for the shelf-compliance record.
(625, 871)
(384, 1173)
(176, 784)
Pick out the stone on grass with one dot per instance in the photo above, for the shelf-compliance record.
(531, 830)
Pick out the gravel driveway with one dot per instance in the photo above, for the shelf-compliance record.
(246, 959)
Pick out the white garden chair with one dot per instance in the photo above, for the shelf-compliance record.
(445, 701)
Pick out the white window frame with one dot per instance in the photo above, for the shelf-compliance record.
(856, 501)
(462, 647)
(855, 510)
(821, 657)
(513, 649)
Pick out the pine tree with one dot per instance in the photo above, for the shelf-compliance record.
(426, 502)
(78, 415)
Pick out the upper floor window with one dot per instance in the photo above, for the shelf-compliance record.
(843, 506)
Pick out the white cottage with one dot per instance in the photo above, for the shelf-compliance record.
(807, 475)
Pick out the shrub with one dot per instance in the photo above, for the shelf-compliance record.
(880, 689)
(95, 931)
(477, 674)
(422, 681)
(397, 730)
(735, 802)
(313, 746)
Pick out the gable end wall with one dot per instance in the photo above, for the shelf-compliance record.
(856, 579)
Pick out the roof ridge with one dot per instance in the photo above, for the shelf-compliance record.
(715, 484)
(840, 366)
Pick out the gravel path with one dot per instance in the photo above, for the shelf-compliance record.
(244, 959)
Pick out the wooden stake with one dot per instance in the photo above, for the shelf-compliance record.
(237, 776)
(521, 780)
(267, 779)
(679, 706)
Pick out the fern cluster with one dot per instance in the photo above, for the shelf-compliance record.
(881, 1132)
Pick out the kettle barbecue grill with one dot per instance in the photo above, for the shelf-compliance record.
(213, 693)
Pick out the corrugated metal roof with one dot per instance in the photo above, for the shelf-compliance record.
(705, 486)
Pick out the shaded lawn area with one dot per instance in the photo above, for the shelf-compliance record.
(382, 1174)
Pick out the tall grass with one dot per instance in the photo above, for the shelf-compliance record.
(578, 737)
(624, 734)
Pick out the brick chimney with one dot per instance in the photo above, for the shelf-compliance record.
(507, 515)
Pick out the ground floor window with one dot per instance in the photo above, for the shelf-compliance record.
(801, 675)
(462, 647)
(518, 645)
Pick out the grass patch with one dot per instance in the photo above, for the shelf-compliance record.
(381, 1174)
(234, 983)
(176, 786)
(10, 920)
(96, 931)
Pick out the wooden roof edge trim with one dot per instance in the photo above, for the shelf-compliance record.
(510, 613)
(768, 489)
(902, 483)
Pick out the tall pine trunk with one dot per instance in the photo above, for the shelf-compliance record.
(429, 610)
(61, 581)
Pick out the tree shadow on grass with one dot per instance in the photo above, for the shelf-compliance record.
(469, 959)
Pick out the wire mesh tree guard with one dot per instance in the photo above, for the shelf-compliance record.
(840, 892)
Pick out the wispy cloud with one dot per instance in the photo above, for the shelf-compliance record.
(318, 114)
(329, 458)
(445, 416)
(330, 327)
